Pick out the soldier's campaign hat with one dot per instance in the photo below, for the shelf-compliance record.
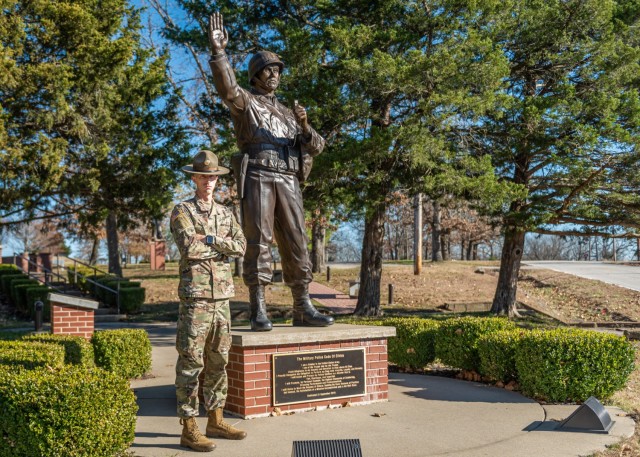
(263, 59)
(205, 163)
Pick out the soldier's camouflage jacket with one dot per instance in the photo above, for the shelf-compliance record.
(204, 270)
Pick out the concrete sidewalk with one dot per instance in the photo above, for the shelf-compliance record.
(425, 416)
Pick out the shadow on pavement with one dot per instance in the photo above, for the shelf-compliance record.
(447, 389)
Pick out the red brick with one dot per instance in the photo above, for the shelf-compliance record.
(309, 346)
(233, 392)
(288, 348)
(256, 358)
(247, 402)
(373, 357)
(266, 401)
(376, 365)
(377, 349)
(262, 366)
(256, 410)
(263, 383)
(255, 393)
(265, 350)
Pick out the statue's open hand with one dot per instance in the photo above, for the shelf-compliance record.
(301, 117)
(218, 37)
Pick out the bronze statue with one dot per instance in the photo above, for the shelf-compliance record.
(276, 148)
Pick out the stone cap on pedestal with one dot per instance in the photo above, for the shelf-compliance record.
(73, 301)
(287, 334)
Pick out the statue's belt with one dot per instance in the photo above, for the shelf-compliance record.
(272, 157)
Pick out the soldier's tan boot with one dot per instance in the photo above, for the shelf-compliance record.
(217, 427)
(192, 438)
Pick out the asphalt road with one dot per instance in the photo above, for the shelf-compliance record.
(621, 275)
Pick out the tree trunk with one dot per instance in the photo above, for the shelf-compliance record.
(112, 244)
(317, 246)
(417, 234)
(371, 264)
(504, 301)
(93, 258)
(470, 246)
(436, 255)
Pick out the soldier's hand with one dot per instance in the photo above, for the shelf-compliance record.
(301, 117)
(218, 36)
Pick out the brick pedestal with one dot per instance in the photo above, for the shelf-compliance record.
(250, 364)
(72, 315)
(158, 250)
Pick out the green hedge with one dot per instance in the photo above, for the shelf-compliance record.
(77, 350)
(19, 294)
(8, 268)
(414, 344)
(6, 282)
(39, 293)
(131, 299)
(102, 294)
(457, 339)
(572, 365)
(497, 353)
(30, 355)
(126, 352)
(72, 412)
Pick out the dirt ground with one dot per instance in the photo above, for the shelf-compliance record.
(439, 286)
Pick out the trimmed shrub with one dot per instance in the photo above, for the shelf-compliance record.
(497, 353)
(77, 350)
(12, 335)
(8, 268)
(6, 282)
(71, 412)
(39, 293)
(457, 339)
(572, 365)
(131, 299)
(414, 344)
(126, 352)
(29, 355)
(109, 298)
(102, 294)
(19, 296)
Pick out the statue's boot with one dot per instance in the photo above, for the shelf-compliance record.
(304, 313)
(217, 427)
(259, 320)
(192, 438)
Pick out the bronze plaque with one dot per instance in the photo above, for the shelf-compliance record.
(300, 377)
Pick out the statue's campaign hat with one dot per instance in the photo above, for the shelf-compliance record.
(205, 163)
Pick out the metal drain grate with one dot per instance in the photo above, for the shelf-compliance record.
(327, 448)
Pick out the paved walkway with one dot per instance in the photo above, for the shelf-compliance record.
(425, 416)
(333, 300)
(612, 273)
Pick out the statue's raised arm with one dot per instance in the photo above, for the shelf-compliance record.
(224, 77)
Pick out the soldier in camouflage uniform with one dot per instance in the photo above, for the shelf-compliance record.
(206, 234)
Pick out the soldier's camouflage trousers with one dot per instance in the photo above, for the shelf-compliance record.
(203, 334)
